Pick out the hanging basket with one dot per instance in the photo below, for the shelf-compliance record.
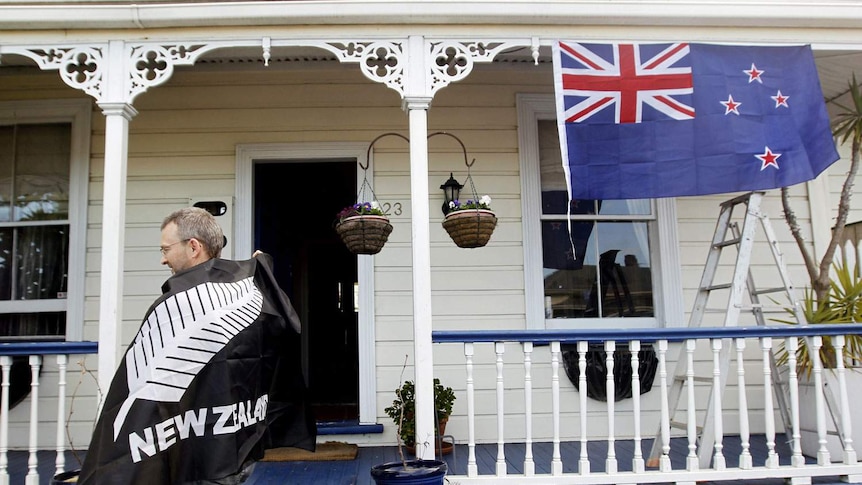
(364, 234)
(470, 228)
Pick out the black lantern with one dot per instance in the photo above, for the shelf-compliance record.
(451, 191)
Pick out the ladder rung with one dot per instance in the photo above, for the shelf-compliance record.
(729, 242)
(771, 290)
(762, 308)
(715, 310)
(681, 425)
(831, 432)
(695, 378)
(717, 287)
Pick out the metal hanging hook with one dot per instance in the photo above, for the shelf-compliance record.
(463, 148)
(371, 145)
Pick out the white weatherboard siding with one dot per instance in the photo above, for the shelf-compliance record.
(182, 144)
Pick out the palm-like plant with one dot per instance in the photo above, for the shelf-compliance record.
(842, 304)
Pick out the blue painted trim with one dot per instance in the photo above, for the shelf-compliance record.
(48, 348)
(644, 334)
(347, 427)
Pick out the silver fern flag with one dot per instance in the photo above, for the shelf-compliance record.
(181, 335)
(211, 379)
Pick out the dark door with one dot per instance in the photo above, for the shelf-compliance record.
(295, 203)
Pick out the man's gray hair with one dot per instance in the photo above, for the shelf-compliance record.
(194, 222)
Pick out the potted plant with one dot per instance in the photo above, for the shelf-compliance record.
(471, 223)
(841, 304)
(405, 401)
(402, 412)
(363, 227)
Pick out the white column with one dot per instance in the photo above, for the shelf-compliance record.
(421, 237)
(118, 112)
(117, 117)
(416, 102)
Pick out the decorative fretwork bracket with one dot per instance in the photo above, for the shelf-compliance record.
(385, 62)
(88, 69)
(452, 61)
(380, 61)
(81, 67)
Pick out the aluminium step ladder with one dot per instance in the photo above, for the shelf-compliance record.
(742, 283)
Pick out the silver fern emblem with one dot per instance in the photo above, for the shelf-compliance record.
(181, 335)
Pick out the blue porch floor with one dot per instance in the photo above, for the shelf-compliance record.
(357, 471)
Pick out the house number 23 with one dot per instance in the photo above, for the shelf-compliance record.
(395, 208)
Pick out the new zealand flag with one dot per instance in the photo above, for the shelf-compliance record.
(662, 120)
(211, 380)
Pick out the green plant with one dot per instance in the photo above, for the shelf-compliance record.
(361, 209)
(403, 409)
(842, 304)
(483, 202)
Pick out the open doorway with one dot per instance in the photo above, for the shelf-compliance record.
(294, 205)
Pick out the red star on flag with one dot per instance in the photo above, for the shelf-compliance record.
(768, 159)
(754, 74)
(780, 100)
(731, 106)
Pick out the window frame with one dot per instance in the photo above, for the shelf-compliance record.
(78, 113)
(664, 240)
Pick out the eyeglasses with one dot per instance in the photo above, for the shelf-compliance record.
(164, 249)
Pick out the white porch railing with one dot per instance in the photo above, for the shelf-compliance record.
(37, 353)
(765, 418)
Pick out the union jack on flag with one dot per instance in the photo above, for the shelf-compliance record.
(629, 78)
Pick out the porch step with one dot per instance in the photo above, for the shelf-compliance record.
(347, 427)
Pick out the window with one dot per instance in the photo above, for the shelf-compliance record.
(595, 254)
(590, 263)
(41, 224)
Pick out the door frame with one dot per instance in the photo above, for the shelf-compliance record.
(243, 240)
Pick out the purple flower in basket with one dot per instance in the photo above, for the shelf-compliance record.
(484, 202)
(360, 209)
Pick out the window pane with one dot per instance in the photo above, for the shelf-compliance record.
(6, 235)
(625, 280)
(7, 152)
(603, 270)
(41, 254)
(41, 183)
(26, 326)
(569, 274)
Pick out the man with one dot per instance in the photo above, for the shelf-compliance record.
(190, 236)
(212, 377)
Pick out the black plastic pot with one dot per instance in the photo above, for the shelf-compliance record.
(417, 472)
(66, 477)
(597, 372)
